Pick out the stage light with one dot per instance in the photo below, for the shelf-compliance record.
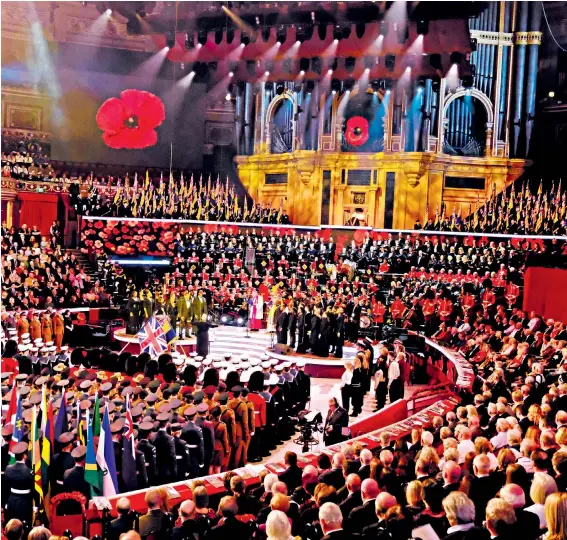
(322, 31)
(251, 67)
(244, 38)
(420, 83)
(266, 34)
(202, 37)
(474, 43)
(384, 26)
(224, 318)
(300, 35)
(109, 11)
(422, 28)
(189, 41)
(240, 320)
(230, 74)
(456, 57)
(267, 73)
(350, 62)
(335, 85)
(551, 94)
(329, 71)
(230, 35)
(360, 29)
(390, 62)
(435, 61)
(170, 40)
(316, 65)
(281, 34)
(228, 97)
(337, 34)
(302, 72)
(369, 62)
(303, 64)
(375, 85)
(310, 86)
(348, 85)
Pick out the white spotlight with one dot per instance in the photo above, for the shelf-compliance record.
(227, 97)
(267, 73)
(231, 74)
(109, 11)
(330, 72)
(302, 72)
(224, 318)
(335, 41)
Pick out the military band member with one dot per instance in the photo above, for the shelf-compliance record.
(18, 488)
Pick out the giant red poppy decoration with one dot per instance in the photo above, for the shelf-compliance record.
(130, 121)
(356, 132)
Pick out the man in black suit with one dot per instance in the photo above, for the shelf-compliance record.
(331, 521)
(365, 460)
(337, 419)
(156, 521)
(364, 515)
(74, 479)
(354, 498)
(188, 527)
(229, 526)
(165, 452)
(451, 476)
(335, 476)
(125, 520)
(384, 502)
(526, 526)
(292, 475)
(483, 486)
(245, 503)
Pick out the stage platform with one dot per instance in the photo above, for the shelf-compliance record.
(237, 341)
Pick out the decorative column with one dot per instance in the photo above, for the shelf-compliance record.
(521, 39)
(340, 212)
(248, 112)
(488, 144)
(9, 213)
(372, 206)
(533, 42)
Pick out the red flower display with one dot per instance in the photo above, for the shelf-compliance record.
(130, 121)
(356, 133)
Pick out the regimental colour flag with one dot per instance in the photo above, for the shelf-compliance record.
(105, 458)
(152, 337)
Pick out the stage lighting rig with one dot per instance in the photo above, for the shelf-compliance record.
(202, 37)
(390, 62)
(244, 38)
(316, 64)
(303, 64)
(348, 85)
(435, 62)
(310, 86)
(337, 33)
(335, 86)
(350, 62)
(189, 41)
(170, 40)
(281, 34)
(375, 85)
(422, 28)
(300, 34)
(456, 57)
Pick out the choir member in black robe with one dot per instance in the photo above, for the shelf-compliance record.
(324, 336)
(315, 330)
(341, 326)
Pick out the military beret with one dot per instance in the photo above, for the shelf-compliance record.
(144, 382)
(202, 408)
(162, 417)
(153, 385)
(79, 452)
(198, 396)
(210, 390)
(175, 387)
(237, 388)
(222, 398)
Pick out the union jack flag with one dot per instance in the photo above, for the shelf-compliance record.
(152, 337)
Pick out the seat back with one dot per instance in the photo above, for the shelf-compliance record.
(68, 512)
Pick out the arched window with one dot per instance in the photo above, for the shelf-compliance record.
(281, 127)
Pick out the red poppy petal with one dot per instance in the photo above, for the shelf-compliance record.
(110, 116)
(147, 107)
(131, 138)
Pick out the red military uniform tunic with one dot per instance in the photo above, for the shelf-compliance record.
(397, 309)
(259, 409)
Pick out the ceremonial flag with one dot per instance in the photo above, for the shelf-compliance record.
(147, 182)
(436, 221)
(96, 417)
(168, 331)
(36, 455)
(92, 475)
(48, 443)
(61, 425)
(18, 433)
(105, 458)
(128, 451)
(117, 195)
(12, 408)
(43, 408)
(426, 216)
(80, 428)
(152, 337)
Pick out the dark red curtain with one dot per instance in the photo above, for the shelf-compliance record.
(38, 209)
(545, 292)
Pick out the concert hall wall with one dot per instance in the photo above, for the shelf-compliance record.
(544, 292)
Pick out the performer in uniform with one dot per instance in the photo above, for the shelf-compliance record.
(256, 312)
(240, 409)
(221, 447)
(58, 329)
(46, 328)
(229, 419)
(18, 488)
